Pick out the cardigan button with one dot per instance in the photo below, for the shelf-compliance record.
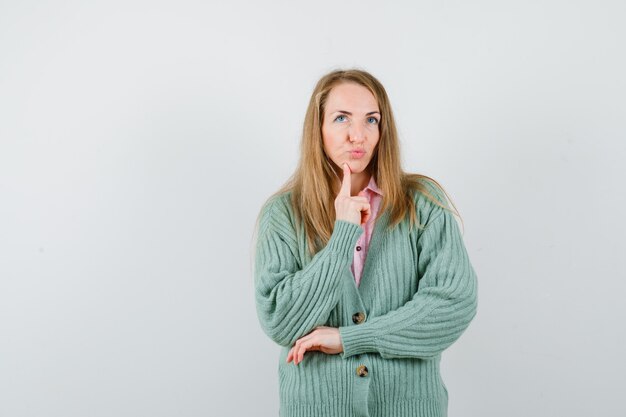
(358, 248)
(358, 318)
(361, 370)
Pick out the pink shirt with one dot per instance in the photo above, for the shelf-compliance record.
(374, 196)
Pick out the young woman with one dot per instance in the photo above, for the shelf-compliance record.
(361, 273)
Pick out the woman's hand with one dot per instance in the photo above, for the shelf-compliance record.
(323, 338)
(353, 209)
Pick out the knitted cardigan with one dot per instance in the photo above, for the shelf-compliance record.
(418, 294)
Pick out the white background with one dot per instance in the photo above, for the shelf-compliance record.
(138, 140)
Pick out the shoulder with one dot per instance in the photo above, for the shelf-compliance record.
(276, 211)
(428, 196)
(278, 203)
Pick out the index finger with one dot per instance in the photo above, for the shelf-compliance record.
(345, 183)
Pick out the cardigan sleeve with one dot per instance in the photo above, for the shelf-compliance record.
(290, 300)
(438, 313)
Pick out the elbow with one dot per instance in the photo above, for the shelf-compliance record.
(466, 316)
(472, 301)
(276, 329)
(278, 335)
(447, 337)
(274, 325)
(467, 303)
(452, 329)
(467, 313)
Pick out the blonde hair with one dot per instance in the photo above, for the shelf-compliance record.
(313, 184)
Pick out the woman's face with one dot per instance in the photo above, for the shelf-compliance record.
(350, 126)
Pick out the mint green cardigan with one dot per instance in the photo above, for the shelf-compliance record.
(417, 295)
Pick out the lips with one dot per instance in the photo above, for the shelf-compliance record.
(357, 154)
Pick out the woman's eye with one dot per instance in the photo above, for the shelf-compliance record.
(373, 120)
(337, 118)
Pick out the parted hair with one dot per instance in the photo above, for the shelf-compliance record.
(316, 181)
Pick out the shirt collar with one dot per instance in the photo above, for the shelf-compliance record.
(373, 186)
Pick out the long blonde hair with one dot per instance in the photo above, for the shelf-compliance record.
(314, 182)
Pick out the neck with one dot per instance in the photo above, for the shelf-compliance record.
(358, 181)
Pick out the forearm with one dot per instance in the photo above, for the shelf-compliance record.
(422, 328)
(291, 302)
(437, 314)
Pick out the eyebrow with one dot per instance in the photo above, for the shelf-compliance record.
(350, 114)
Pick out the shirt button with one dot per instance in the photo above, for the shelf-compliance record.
(358, 248)
(361, 370)
(358, 318)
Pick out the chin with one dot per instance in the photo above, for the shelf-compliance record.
(357, 166)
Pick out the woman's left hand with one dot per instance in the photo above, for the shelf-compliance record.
(323, 338)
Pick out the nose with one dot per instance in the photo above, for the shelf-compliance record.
(356, 133)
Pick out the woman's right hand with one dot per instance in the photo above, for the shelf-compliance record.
(353, 209)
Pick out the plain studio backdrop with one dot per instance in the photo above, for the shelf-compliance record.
(139, 140)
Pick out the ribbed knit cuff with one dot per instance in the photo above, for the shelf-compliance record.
(344, 237)
(356, 340)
